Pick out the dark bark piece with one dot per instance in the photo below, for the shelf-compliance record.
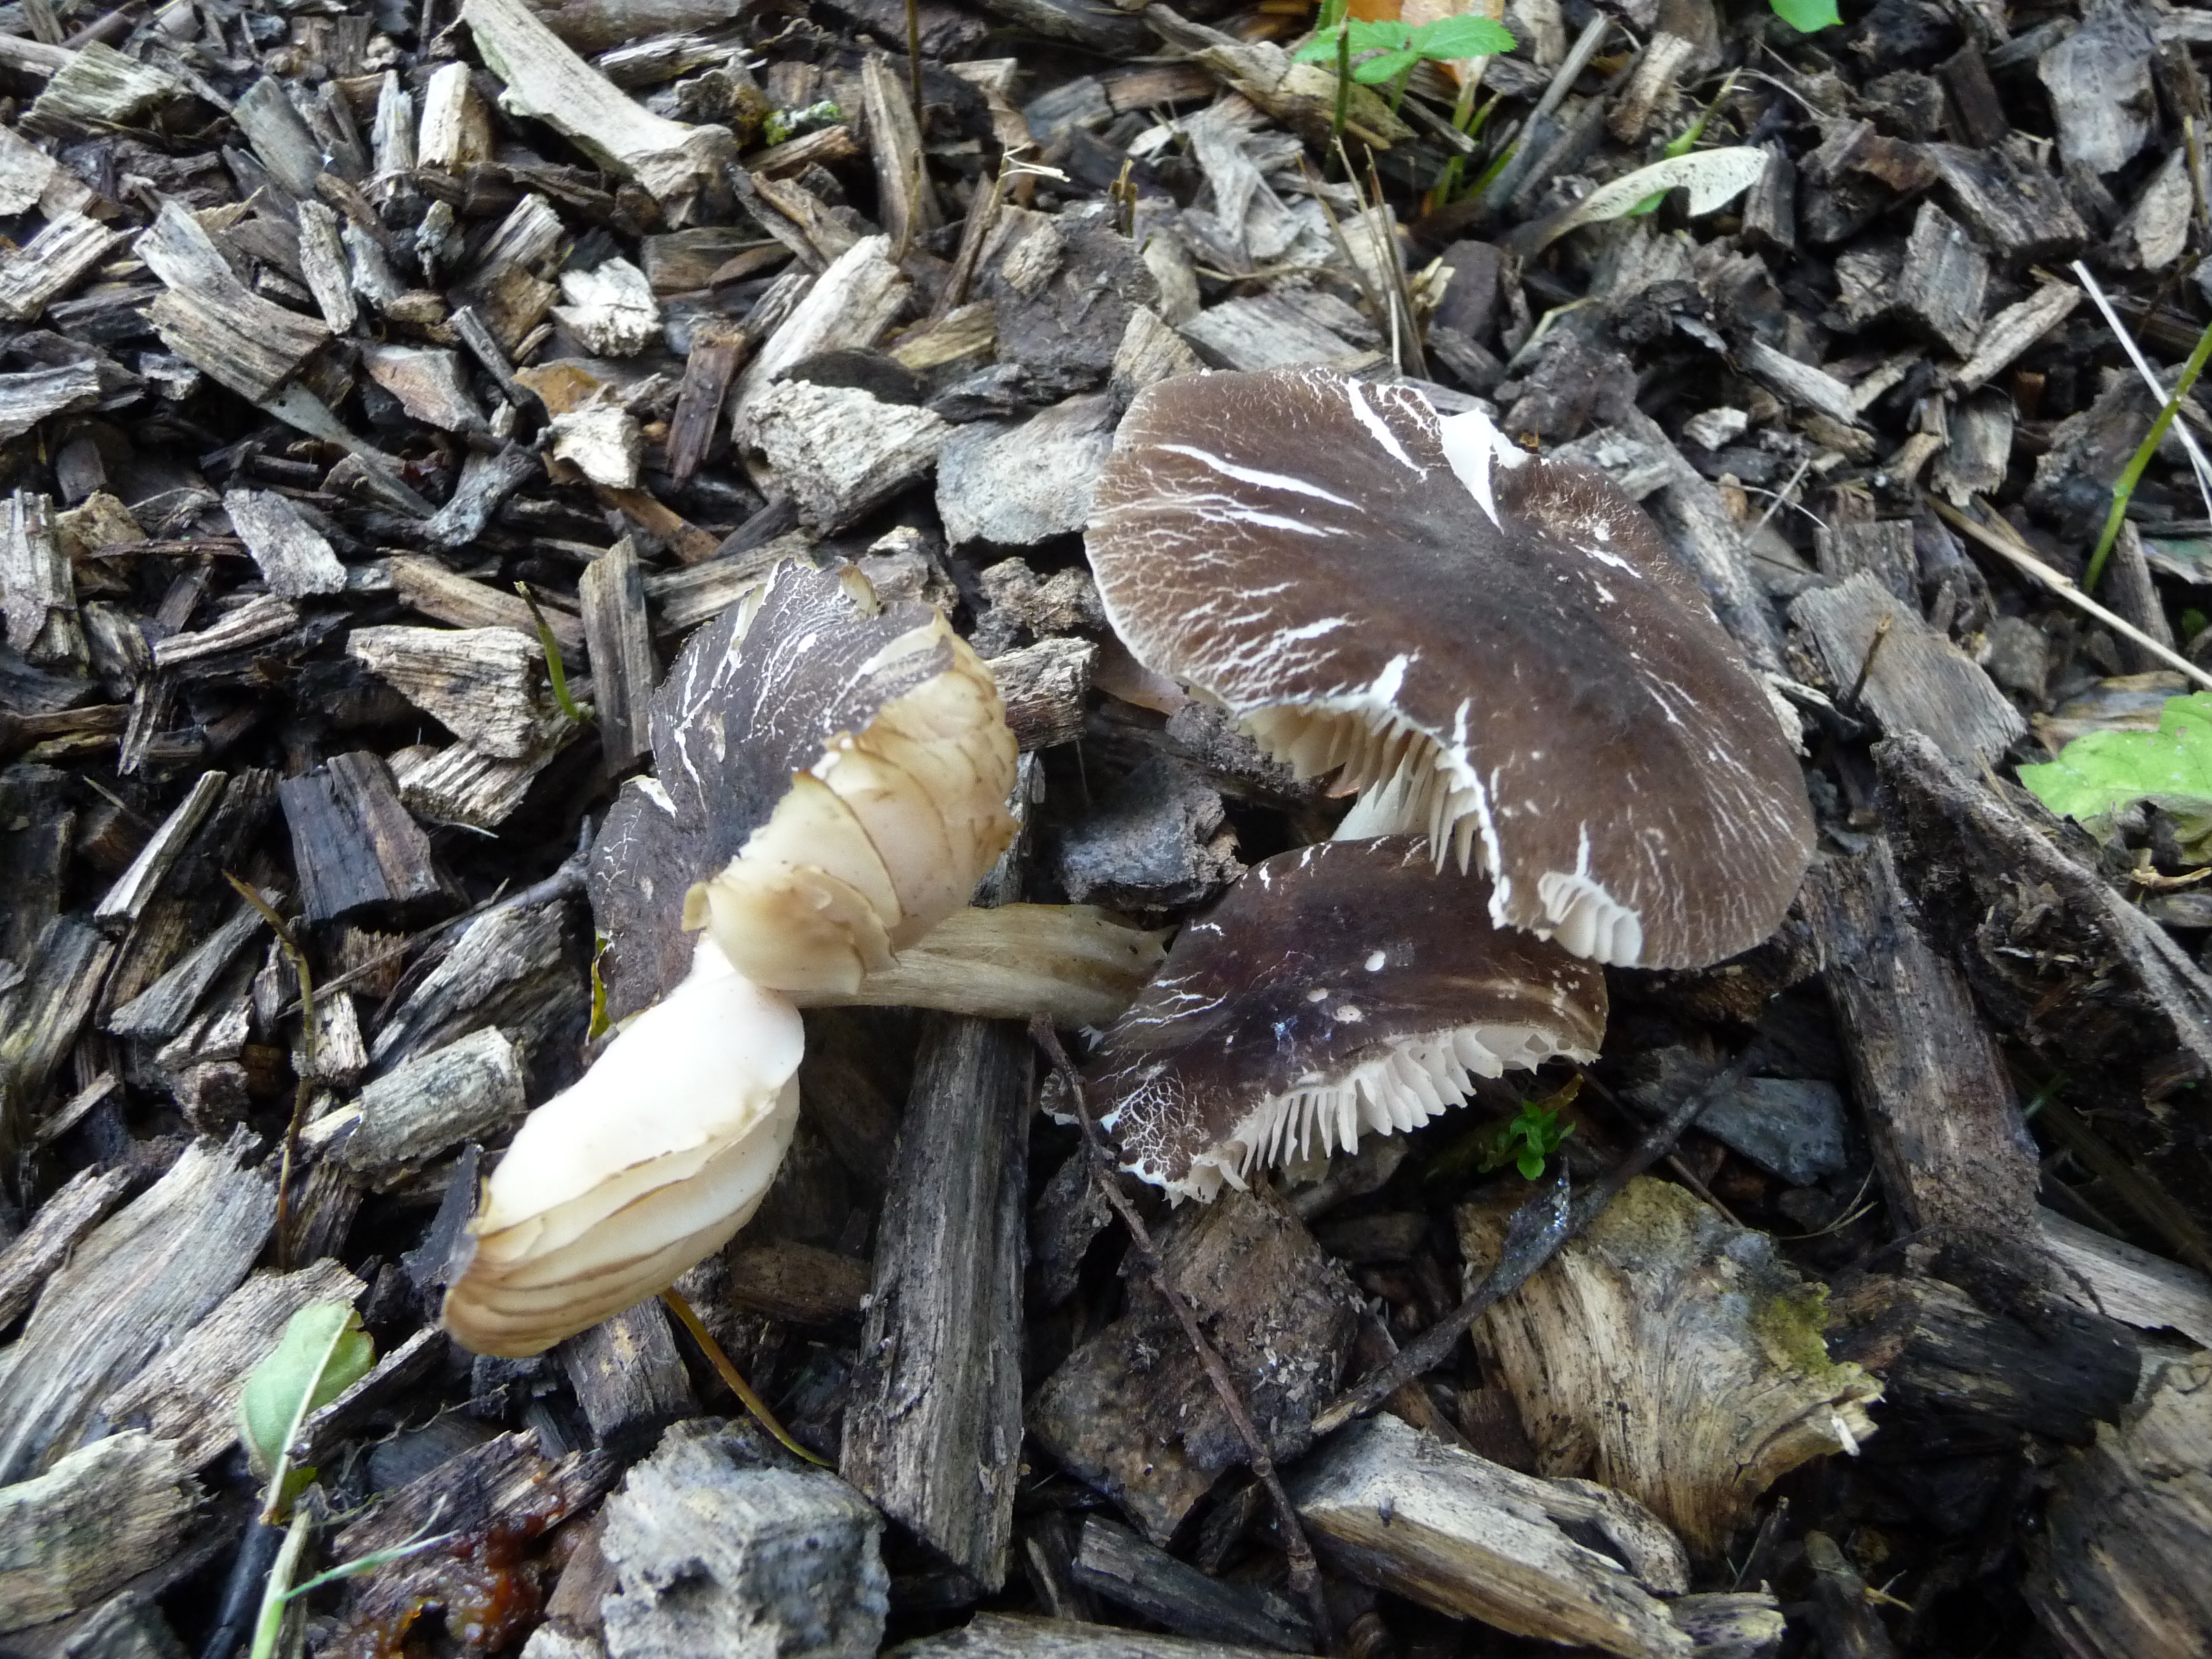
(2134, 597)
(908, 204)
(2099, 81)
(1045, 687)
(1915, 680)
(28, 1260)
(802, 1284)
(2018, 210)
(144, 1277)
(1155, 841)
(1132, 1412)
(718, 1550)
(1976, 1379)
(63, 984)
(507, 968)
(1941, 287)
(2117, 1570)
(90, 1523)
(1015, 486)
(1882, 548)
(1937, 1103)
(933, 1432)
(471, 1088)
(619, 636)
(1124, 1568)
(1977, 111)
(37, 826)
(629, 1378)
(1063, 287)
(189, 1395)
(486, 480)
(1843, 1612)
(353, 844)
(280, 137)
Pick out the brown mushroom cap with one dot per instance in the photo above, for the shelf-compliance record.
(831, 782)
(1501, 650)
(1337, 988)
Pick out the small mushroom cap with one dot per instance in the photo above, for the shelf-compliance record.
(614, 1187)
(1337, 988)
(831, 782)
(1501, 650)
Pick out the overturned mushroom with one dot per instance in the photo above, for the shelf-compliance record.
(1335, 989)
(616, 1186)
(1499, 650)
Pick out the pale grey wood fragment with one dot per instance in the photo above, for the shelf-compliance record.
(296, 559)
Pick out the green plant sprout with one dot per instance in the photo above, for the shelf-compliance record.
(1533, 1136)
(557, 669)
(1683, 144)
(1379, 53)
(783, 125)
(2124, 490)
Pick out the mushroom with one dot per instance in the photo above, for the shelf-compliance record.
(1499, 650)
(1333, 989)
(614, 1187)
(832, 778)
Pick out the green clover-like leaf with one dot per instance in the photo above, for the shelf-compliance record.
(1808, 16)
(1374, 71)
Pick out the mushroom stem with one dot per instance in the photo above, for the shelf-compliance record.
(1074, 964)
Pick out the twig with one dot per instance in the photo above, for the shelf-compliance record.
(913, 64)
(730, 1374)
(303, 1091)
(1306, 1577)
(2056, 582)
(1866, 664)
(1532, 1237)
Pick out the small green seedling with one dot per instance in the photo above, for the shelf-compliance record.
(1531, 1137)
(1808, 16)
(783, 125)
(1381, 53)
(1683, 144)
(2097, 776)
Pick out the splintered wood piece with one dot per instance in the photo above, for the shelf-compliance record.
(146, 1276)
(908, 205)
(717, 350)
(487, 686)
(1132, 1411)
(96, 91)
(64, 977)
(1457, 1533)
(38, 591)
(82, 1203)
(2013, 329)
(836, 451)
(212, 319)
(428, 383)
(1676, 1357)
(2124, 1283)
(1045, 687)
(460, 784)
(96, 1519)
(30, 397)
(679, 600)
(47, 266)
(456, 130)
(136, 887)
(1941, 288)
(486, 480)
(620, 637)
(850, 304)
(1882, 548)
(677, 165)
(629, 1380)
(2018, 211)
(933, 1432)
(504, 968)
(257, 622)
(428, 586)
(24, 172)
(296, 559)
(1015, 486)
(1909, 677)
(716, 1550)
(2117, 1567)
(1937, 1102)
(280, 137)
(353, 844)
(469, 1090)
(189, 1395)
(1117, 1564)
(159, 1013)
(1979, 447)
(327, 268)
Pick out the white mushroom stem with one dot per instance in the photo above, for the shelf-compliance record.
(616, 1187)
(1073, 963)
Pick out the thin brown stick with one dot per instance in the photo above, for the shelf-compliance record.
(914, 65)
(1305, 1577)
(730, 1374)
(1532, 1237)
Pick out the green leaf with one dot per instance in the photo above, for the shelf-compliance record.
(323, 1352)
(2105, 771)
(1389, 67)
(1808, 16)
(1382, 35)
(1321, 48)
(1449, 38)
(1530, 1164)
